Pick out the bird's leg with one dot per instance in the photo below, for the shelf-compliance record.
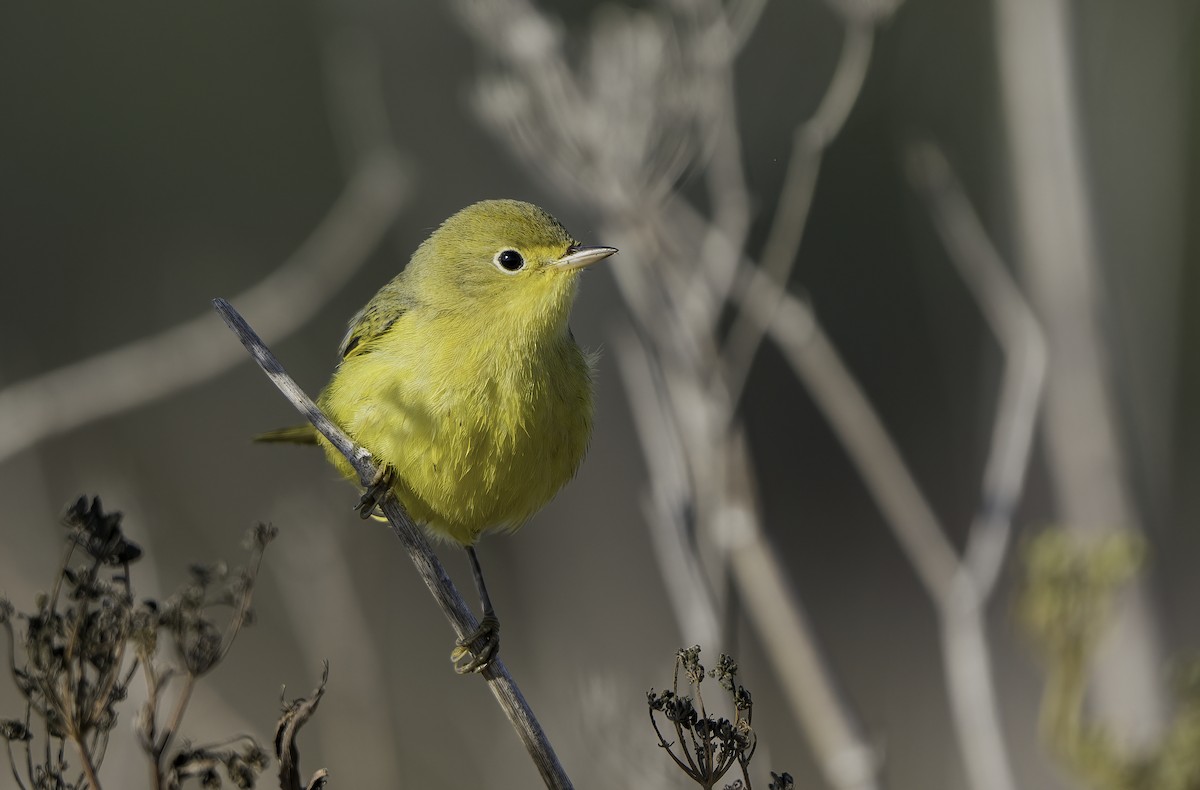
(375, 492)
(482, 644)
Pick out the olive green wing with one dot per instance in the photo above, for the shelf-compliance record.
(294, 434)
(370, 324)
(374, 320)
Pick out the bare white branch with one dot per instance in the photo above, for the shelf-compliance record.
(1020, 337)
(809, 142)
(154, 367)
(968, 660)
(656, 97)
(688, 587)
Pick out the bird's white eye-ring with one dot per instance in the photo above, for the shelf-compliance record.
(509, 261)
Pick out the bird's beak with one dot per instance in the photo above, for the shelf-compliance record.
(579, 257)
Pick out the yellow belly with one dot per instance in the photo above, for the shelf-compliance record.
(474, 446)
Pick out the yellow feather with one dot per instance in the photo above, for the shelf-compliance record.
(462, 374)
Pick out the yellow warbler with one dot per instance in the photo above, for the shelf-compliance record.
(462, 379)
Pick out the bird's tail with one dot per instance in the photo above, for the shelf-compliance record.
(296, 434)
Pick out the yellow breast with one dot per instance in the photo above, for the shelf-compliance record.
(482, 431)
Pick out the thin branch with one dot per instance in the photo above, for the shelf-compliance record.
(378, 186)
(333, 597)
(809, 141)
(172, 726)
(960, 589)
(968, 661)
(1020, 337)
(947, 581)
(13, 764)
(28, 748)
(154, 367)
(89, 767)
(816, 362)
(683, 576)
(775, 610)
(666, 746)
(808, 682)
(147, 727)
(295, 715)
(708, 482)
(508, 695)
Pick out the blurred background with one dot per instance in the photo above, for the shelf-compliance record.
(158, 155)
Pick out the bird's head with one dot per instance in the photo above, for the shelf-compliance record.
(503, 258)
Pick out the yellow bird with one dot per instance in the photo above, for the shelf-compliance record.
(463, 380)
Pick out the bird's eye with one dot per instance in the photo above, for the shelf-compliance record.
(510, 260)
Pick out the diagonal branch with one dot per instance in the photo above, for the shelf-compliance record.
(508, 695)
(154, 367)
(809, 141)
(1019, 335)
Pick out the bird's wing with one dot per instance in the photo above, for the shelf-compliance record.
(373, 321)
(295, 434)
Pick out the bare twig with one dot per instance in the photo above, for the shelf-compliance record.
(809, 141)
(959, 588)
(85, 756)
(295, 715)
(687, 586)
(172, 726)
(154, 367)
(816, 362)
(13, 765)
(377, 188)
(333, 597)
(968, 662)
(788, 638)
(462, 620)
(677, 417)
(616, 133)
(1019, 335)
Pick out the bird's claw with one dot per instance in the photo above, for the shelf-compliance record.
(482, 646)
(375, 492)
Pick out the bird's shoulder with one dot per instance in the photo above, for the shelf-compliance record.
(376, 319)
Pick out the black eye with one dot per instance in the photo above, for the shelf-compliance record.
(510, 261)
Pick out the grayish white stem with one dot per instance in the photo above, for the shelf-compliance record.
(809, 141)
(154, 367)
(508, 695)
(1057, 257)
(1020, 337)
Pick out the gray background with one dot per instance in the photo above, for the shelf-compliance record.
(154, 155)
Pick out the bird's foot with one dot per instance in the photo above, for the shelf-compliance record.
(482, 646)
(380, 484)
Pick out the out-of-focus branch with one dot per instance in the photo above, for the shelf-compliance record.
(1020, 337)
(331, 597)
(815, 361)
(690, 595)
(1058, 260)
(846, 760)
(655, 95)
(959, 588)
(295, 715)
(154, 367)
(809, 141)
(461, 619)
